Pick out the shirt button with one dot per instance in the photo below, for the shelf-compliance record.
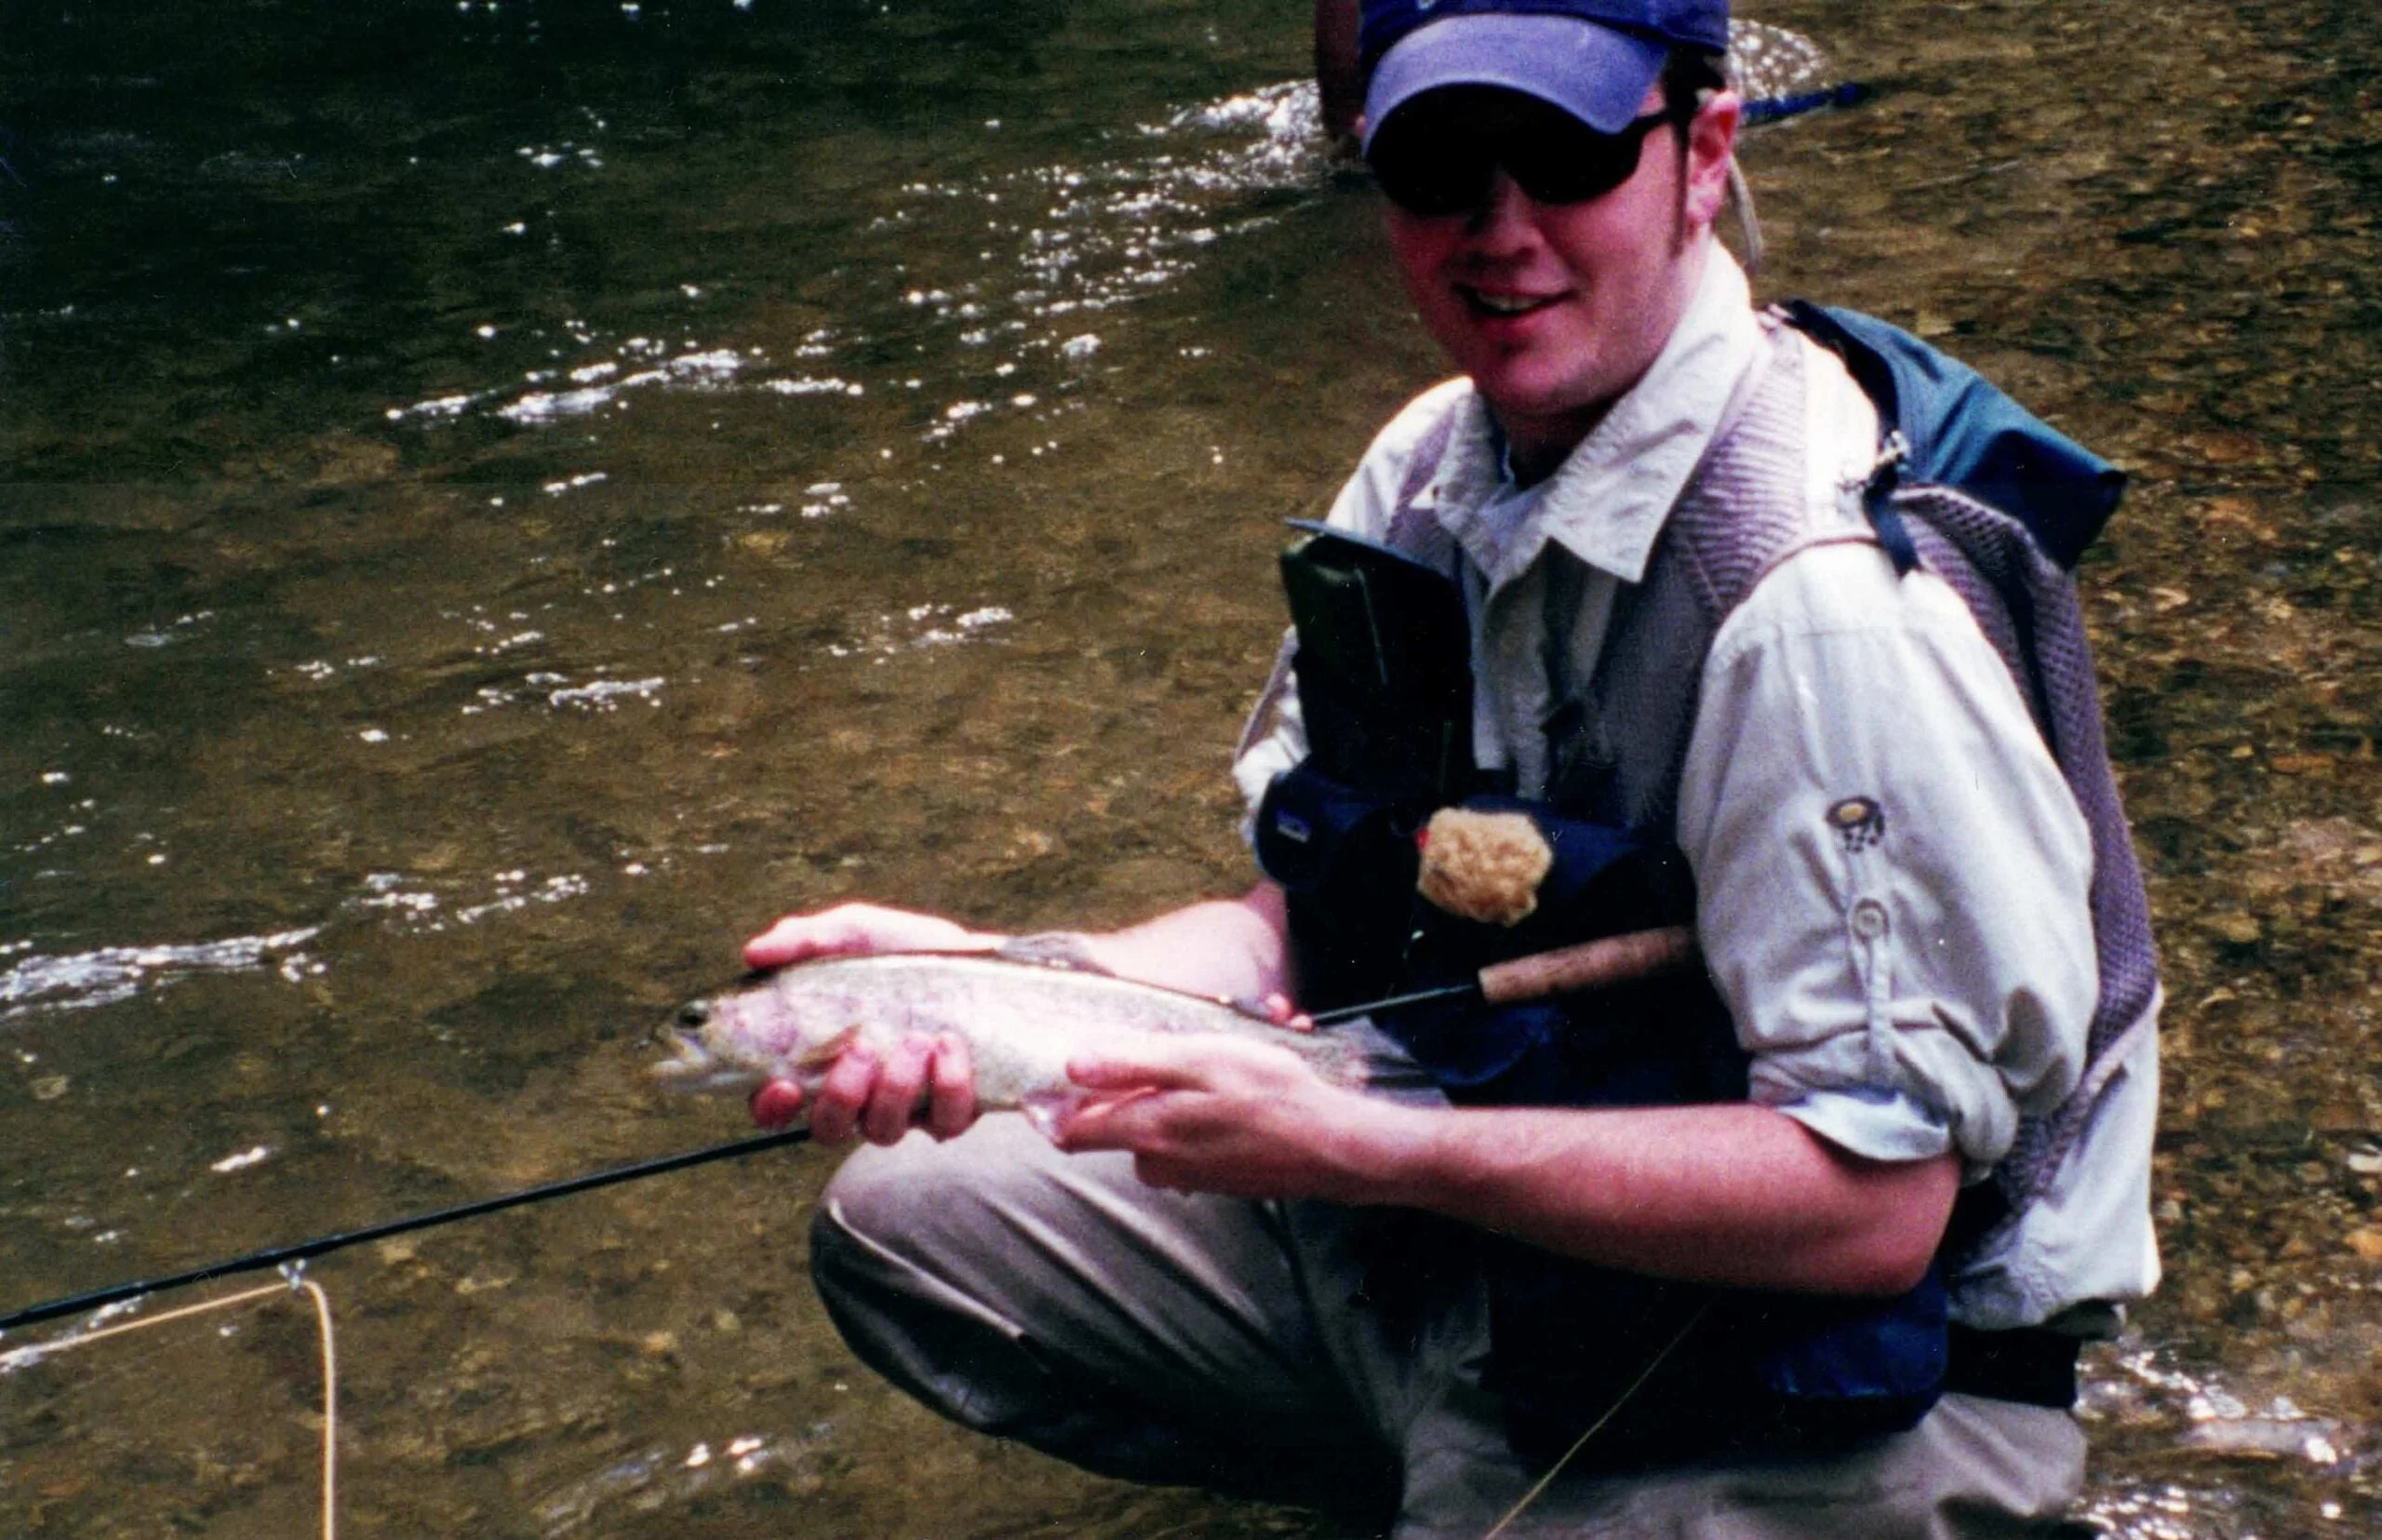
(1869, 920)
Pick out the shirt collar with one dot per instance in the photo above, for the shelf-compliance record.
(1606, 503)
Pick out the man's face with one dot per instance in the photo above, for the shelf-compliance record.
(1555, 309)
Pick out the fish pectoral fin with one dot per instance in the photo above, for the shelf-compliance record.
(827, 1052)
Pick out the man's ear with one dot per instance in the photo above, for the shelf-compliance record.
(1711, 148)
(1350, 147)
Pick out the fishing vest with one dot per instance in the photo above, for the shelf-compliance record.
(1759, 1372)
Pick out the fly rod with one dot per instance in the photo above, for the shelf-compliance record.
(279, 1256)
(1642, 954)
(1565, 971)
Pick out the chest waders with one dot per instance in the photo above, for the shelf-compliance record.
(1385, 681)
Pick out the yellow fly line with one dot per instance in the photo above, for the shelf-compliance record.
(273, 1291)
(1533, 1495)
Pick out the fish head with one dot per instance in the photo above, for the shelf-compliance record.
(703, 1055)
(733, 1042)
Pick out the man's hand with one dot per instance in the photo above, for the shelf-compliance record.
(881, 1102)
(1220, 1115)
(858, 930)
(862, 1097)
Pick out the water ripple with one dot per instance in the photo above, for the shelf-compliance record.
(80, 981)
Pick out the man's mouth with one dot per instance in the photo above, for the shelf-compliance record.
(1505, 304)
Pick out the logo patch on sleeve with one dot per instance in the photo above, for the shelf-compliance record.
(1858, 822)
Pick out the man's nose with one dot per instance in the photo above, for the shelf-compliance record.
(1503, 214)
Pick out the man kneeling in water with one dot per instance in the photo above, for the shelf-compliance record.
(1748, 1209)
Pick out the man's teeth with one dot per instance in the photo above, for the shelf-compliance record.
(1505, 304)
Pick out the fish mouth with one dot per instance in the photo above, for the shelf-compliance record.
(689, 1063)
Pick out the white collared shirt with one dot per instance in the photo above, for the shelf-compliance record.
(1916, 995)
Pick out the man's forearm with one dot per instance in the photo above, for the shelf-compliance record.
(1224, 946)
(1728, 1194)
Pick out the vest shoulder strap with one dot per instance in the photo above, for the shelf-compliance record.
(1743, 512)
(2028, 608)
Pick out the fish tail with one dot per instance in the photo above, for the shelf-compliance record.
(1340, 1062)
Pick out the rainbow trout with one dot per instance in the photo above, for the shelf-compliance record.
(1021, 1022)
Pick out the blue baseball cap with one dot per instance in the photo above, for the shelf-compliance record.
(1593, 58)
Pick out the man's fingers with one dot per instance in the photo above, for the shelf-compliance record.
(789, 940)
(835, 1116)
(1140, 1071)
(1208, 1062)
(881, 1100)
(776, 1104)
(951, 1106)
(1283, 1013)
(1149, 1061)
(832, 932)
(1111, 1122)
(859, 928)
(893, 1103)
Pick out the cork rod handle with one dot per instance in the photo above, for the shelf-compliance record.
(1590, 965)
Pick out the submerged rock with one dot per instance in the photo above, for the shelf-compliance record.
(2313, 1439)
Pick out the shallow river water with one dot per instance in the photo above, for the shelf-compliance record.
(503, 499)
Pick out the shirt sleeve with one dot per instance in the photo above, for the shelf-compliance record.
(1892, 875)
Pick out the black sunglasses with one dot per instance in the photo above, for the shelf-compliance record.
(1439, 153)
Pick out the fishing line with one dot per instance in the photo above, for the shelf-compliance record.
(1539, 1488)
(329, 1353)
(300, 1251)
